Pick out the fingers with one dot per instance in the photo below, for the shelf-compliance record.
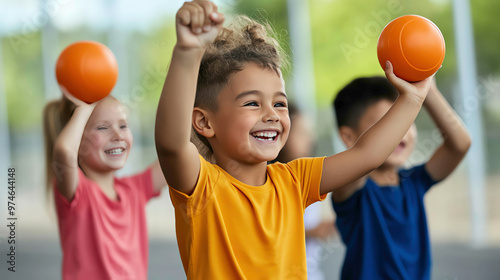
(389, 73)
(208, 8)
(199, 15)
(217, 18)
(77, 102)
(71, 98)
(183, 16)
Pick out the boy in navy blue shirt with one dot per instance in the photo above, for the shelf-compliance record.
(381, 217)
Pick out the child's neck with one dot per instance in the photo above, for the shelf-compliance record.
(250, 174)
(105, 180)
(385, 175)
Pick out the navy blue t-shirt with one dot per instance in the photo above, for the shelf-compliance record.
(385, 229)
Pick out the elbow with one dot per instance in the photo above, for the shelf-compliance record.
(462, 144)
(465, 144)
(60, 149)
(460, 147)
(64, 154)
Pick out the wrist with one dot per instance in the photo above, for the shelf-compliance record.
(189, 51)
(431, 98)
(411, 99)
(85, 108)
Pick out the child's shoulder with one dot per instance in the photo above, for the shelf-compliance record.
(298, 164)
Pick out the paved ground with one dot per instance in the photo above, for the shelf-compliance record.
(40, 259)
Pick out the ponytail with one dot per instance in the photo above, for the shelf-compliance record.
(56, 115)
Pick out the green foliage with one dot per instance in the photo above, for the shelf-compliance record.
(23, 84)
(487, 41)
(272, 12)
(344, 35)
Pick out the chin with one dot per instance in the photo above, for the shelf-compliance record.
(395, 162)
(260, 156)
(116, 167)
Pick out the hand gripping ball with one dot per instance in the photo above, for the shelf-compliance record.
(414, 45)
(87, 70)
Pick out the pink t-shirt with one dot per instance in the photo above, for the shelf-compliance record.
(103, 238)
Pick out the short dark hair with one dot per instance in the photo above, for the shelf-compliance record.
(352, 101)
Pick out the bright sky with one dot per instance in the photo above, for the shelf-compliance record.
(25, 15)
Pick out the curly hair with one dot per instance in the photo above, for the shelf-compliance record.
(244, 41)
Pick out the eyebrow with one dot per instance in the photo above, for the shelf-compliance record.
(107, 122)
(250, 92)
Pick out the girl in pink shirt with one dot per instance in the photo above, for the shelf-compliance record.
(102, 222)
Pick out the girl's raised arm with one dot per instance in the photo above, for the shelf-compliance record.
(66, 147)
(197, 25)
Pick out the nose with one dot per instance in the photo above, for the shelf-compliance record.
(117, 135)
(270, 115)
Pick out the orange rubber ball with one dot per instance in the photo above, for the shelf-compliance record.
(414, 45)
(87, 70)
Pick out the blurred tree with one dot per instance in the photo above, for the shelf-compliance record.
(23, 81)
(344, 36)
(486, 31)
(273, 12)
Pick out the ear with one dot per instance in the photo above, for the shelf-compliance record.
(201, 123)
(348, 135)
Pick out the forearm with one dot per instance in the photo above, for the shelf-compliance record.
(379, 141)
(447, 121)
(68, 142)
(174, 114)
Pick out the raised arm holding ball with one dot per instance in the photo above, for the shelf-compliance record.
(236, 216)
(102, 219)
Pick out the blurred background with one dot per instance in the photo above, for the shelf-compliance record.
(329, 43)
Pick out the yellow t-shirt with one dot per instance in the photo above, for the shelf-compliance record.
(230, 230)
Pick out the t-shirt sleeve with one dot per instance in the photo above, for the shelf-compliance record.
(144, 182)
(203, 191)
(308, 171)
(63, 205)
(421, 177)
(350, 204)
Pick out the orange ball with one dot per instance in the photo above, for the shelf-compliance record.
(87, 70)
(414, 45)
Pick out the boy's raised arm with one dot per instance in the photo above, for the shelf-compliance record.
(379, 141)
(456, 140)
(197, 25)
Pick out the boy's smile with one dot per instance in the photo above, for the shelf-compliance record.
(251, 123)
(265, 135)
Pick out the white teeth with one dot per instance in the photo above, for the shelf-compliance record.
(115, 151)
(266, 134)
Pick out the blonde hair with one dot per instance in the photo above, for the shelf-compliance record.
(244, 41)
(56, 115)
